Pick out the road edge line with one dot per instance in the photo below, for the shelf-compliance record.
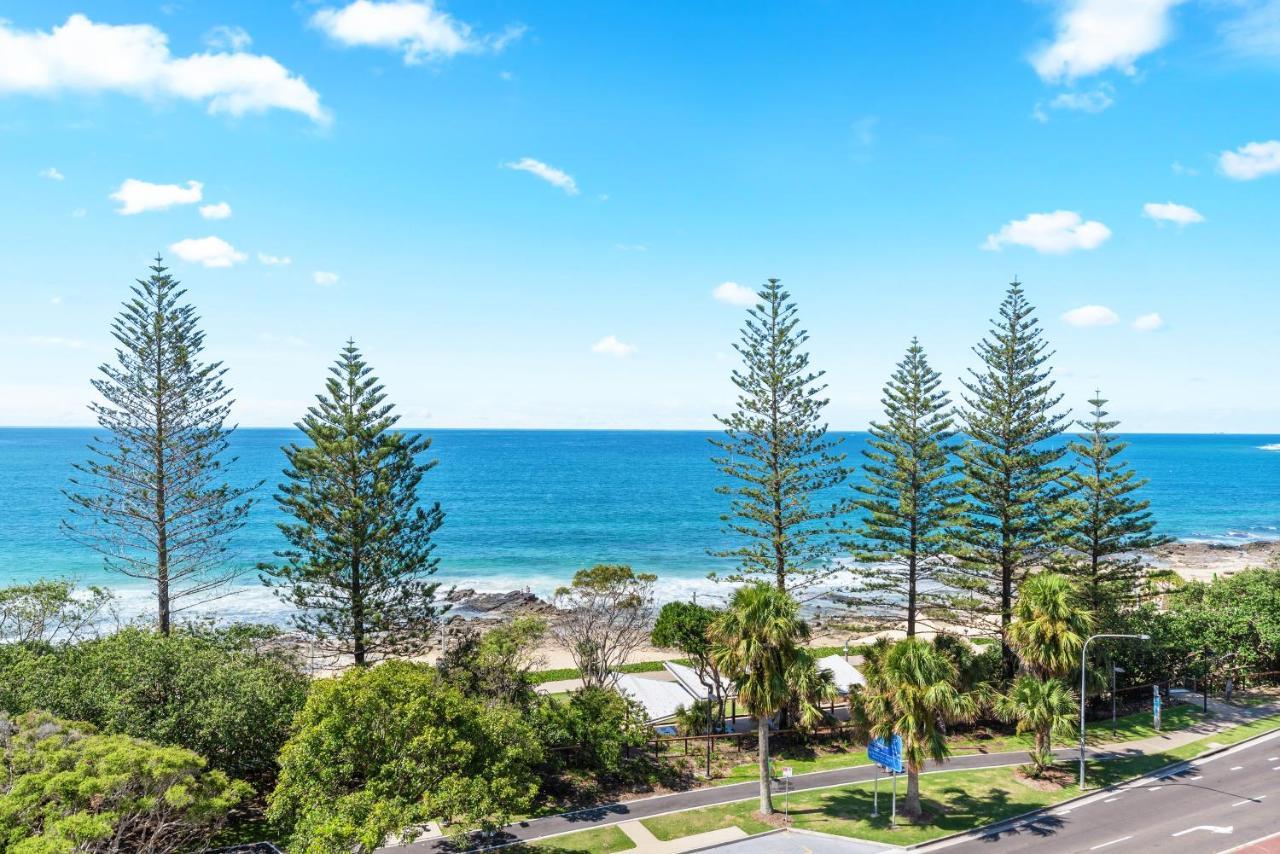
(1027, 817)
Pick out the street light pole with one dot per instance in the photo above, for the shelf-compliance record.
(1084, 652)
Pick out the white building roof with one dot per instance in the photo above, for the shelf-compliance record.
(659, 699)
(845, 673)
(688, 677)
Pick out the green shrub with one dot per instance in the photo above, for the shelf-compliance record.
(382, 749)
(64, 788)
(209, 691)
(602, 724)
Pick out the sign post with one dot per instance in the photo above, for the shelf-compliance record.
(875, 795)
(786, 790)
(886, 755)
(1155, 705)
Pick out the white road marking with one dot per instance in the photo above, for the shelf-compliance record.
(1273, 758)
(1112, 842)
(1277, 768)
(1209, 827)
(1249, 801)
(1196, 777)
(1154, 788)
(1109, 800)
(1235, 767)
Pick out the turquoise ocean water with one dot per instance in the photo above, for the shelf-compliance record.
(525, 508)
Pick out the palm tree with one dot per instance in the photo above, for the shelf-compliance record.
(811, 687)
(911, 692)
(756, 643)
(1050, 624)
(1043, 706)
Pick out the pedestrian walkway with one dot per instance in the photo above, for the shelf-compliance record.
(647, 843)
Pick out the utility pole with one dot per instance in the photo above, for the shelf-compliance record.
(1084, 653)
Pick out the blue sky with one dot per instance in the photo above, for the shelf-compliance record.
(522, 211)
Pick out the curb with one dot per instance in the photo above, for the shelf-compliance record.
(1023, 818)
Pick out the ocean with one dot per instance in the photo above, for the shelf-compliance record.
(526, 508)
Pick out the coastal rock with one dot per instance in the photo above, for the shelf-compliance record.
(496, 604)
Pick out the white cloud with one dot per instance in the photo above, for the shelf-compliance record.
(1148, 322)
(735, 294)
(550, 174)
(1251, 161)
(79, 213)
(1091, 315)
(137, 196)
(611, 346)
(324, 278)
(221, 210)
(1056, 232)
(134, 59)
(207, 251)
(52, 174)
(418, 30)
(228, 38)
(1094, 35)
(56, 341)
(1085, 102)
(274, 260)
(1170, 212)
(1179, 169)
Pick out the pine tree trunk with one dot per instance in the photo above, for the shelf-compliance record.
(911, 806)
(161, 502)
(1006, 616)
(357, 612)
(766, 791)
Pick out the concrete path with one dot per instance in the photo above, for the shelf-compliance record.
(647, 843)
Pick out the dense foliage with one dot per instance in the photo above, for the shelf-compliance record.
(65, 788)
(214, 692)
(385, 749)
(684, 626)
(603, 727)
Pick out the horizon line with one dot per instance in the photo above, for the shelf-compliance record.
(423, 429)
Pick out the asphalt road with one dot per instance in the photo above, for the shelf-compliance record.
(607, 814)
(1214, 804)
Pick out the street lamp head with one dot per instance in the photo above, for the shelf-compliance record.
(1144, 637)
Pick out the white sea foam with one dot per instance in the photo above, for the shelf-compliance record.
(1272, 447)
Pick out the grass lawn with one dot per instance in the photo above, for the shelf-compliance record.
(679, 824)
(1128, 728)
(800, 761)
(602, 840)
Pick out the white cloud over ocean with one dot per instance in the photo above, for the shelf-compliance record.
(212, 252)
(1172, 212)
(137, 197)
(735, 294)
(611, 346)
(1050, 233)
(415, 28)
(1252, 160)
(1097, 35)
(553, 176)
(134, 59)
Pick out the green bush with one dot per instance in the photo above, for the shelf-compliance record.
(379, 750)
(209, 691)
(64, 788)
(602, 724)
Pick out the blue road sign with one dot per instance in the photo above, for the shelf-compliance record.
(888, 755)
